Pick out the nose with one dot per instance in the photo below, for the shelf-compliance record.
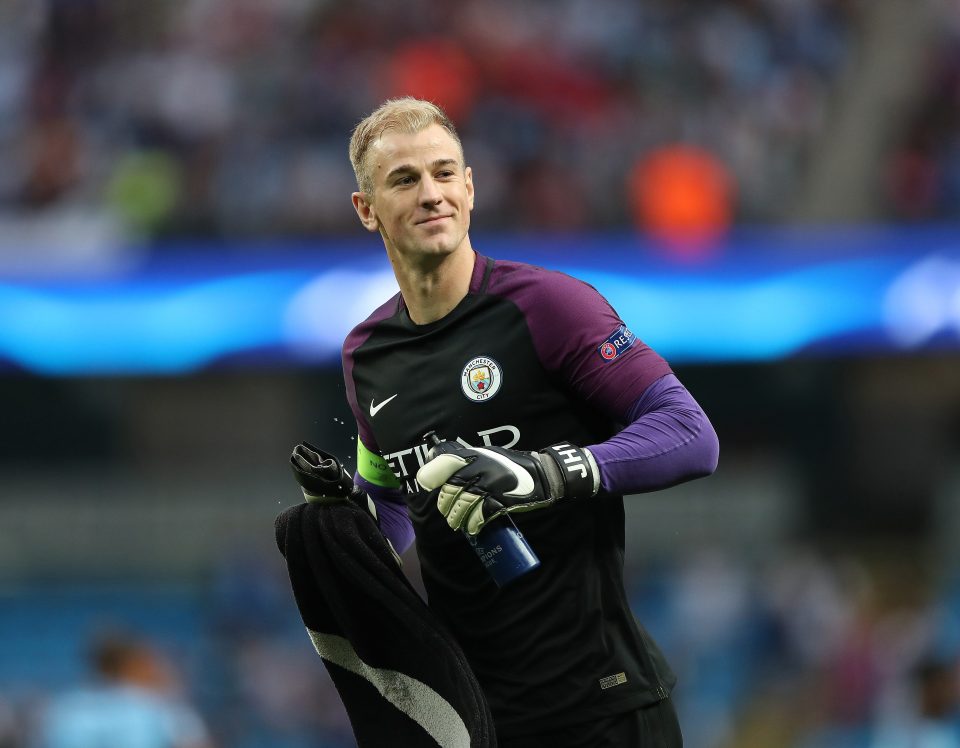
(429, 192)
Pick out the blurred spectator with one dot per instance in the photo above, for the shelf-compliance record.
(289, 696)
(131, 706)
(682, 196)
(933, 720)
(923, 175)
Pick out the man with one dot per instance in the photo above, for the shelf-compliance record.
(131, 705)
(507, 359)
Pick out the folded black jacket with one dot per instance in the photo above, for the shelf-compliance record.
(403, 679)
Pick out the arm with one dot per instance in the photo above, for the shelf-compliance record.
(669, 440)
(373, 475)
(391, 511)
(384, 489)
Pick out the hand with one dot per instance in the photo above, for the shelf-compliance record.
(479, 484)
(322, 477)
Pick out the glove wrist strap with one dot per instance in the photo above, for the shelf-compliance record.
(576, 468)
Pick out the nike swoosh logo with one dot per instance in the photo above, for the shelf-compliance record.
(374, 409)
(525, 483)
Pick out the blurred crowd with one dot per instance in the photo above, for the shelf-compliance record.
(807, 649)
(208, 118)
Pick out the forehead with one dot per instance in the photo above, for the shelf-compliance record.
(393, 148)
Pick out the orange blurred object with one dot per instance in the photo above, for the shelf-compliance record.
(435, 70)
(683, 196)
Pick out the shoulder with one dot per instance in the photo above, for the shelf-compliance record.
(359, 334)
(354, 340)
(578, 335)
(540, 291)
(509, 276)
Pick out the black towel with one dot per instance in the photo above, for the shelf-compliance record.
(403, 679)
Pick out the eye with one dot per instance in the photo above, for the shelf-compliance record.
(445, 173)
(404, 181)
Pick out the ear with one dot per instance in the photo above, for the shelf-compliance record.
(468, 183)
(365, 209)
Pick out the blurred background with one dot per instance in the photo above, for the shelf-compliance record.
(768, 191)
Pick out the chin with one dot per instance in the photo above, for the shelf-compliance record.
(435, 246)
(439, 248)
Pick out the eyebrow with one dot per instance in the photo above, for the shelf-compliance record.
(405, 168)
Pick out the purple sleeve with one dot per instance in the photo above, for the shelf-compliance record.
(391, 512)
(669, 441)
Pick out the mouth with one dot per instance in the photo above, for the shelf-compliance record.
(431, 220)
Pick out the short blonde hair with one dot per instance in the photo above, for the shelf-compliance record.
(408, 115)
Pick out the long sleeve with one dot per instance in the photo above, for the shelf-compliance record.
(391, 512)
(669, 440)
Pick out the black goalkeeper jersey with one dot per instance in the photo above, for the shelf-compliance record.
(528, 358)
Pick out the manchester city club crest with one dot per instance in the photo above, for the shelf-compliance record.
(481, 378)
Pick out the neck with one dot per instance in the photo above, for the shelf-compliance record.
(431, 287)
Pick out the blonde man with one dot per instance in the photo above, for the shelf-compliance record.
(533, 374)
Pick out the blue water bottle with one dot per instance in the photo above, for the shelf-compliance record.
(500, 546)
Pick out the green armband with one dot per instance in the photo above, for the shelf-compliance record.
(372, 467)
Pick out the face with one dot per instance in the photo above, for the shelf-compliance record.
(422, 195)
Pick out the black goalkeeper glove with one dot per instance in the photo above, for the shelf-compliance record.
(324, 479)
(479, 484)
